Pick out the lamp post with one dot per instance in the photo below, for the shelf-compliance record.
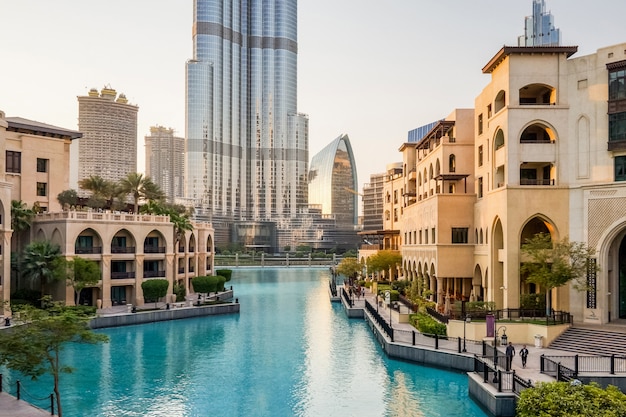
(468, 319)
(388, 302)
(495, 348)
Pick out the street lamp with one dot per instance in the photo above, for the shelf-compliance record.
(468, 319)
(388, 302)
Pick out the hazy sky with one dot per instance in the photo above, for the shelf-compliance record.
(371, 69)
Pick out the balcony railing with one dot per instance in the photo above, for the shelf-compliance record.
(153, 274)
(154, 249)
(122, 275)
(524, 181)
(122, 249)
(88, 250)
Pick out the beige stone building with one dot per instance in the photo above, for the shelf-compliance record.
(129, 248)
(437, 198)
(545, 151)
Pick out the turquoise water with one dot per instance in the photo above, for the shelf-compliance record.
(289, 352)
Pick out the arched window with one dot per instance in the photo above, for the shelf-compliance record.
(500, 101)
(499, 140)
(452, 163)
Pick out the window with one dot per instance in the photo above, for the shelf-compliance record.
(620, 168)
(14, 162)
(480, 124)
(433, 235)
(480, 155)
(480, 187)
(426, 237)
(42, 165)
(617, 84)
(42, 189)
(499, 140)
(452, 163)
(617, 126)
(489, 112)
(459, 234)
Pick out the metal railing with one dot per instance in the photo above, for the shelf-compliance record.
(494, 374)
(20, 392)
(569, 367)
(346, 297)
(389, 331)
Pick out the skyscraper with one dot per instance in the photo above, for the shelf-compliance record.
(165, 161)
(333, 182)
(247, 146)
(539, 28)
(108, 147)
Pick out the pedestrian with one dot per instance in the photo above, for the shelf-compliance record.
(524, 355)
(510, 352)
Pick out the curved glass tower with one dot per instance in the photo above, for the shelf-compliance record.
(246, 144)
(333, 182)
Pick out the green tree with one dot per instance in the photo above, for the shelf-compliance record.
(101, 190)
(21, 219)
(349, 267)
(384, 260)
(553, 264)
(567, 399)
(153, 289)
(80, 273)
(226, 273)
(140, 187)
(205, 284)
(67, 199)
(35, 349)
(40, 264)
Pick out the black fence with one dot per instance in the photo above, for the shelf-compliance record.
(495, 374)
(566, 368)
(346, 297)
(389, 331)
(517, 314)
(18, 391)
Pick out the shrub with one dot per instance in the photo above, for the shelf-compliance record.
(428, 325)
(205, 284)
(561, 399)
(226, 273)
(153, 289)
(179, 290)
(220, 283)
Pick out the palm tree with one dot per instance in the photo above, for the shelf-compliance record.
(100, 188)
(140, 187)
(21, 218)
(40, 263)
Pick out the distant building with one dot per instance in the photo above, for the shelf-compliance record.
(165, 159)
(246, 144)
(539, 28)
(333, 181)
(108, 147)
(373, 203)
(333, 186)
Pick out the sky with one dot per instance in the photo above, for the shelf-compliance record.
(370, 69)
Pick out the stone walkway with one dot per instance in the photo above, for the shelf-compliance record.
(532, 371)
(12, 407)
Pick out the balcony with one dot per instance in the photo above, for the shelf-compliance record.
(524, 181)
(122, 249)
(154, 274)
(154, 249)
(88, 250)
(122, 275)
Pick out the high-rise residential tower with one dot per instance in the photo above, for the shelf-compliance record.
(539, 28)
(247, 146)
(108, 147)
(165, 161)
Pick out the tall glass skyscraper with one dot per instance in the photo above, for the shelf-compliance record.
(246, 144)
(539, 28)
